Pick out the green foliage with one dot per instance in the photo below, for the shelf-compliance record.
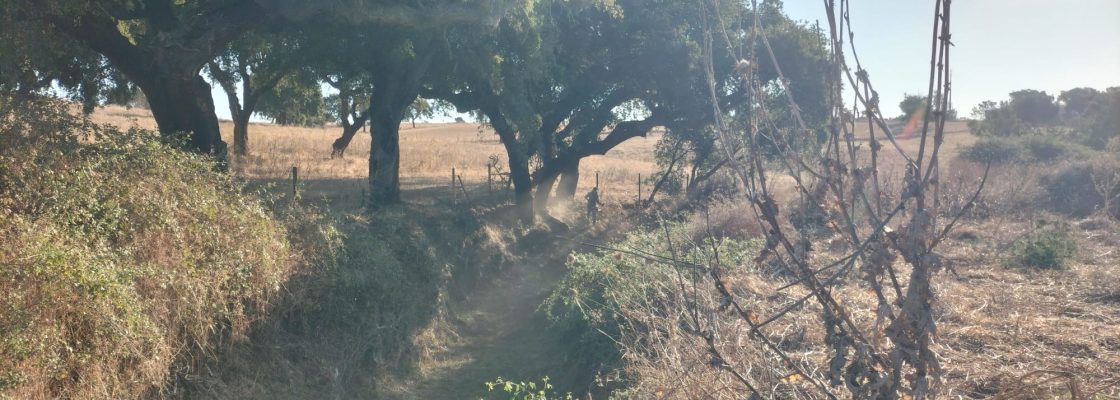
(1050, 246)
(31, 62)
(1023, 150)
(1093, 115)
(1026, 111)
(994, 150)
(912, 104)
(122, 256)
(606, 293)
(1085, 115)
(1033, 107)
(689, 146)
(296, 100)
(260, 73)
(523, 390)
(1046, 149)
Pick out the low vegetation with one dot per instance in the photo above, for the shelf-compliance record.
(124, 261)
(1032, 149)
(1073, 179)
(377, 315)
(639, 303)
(1047, 247)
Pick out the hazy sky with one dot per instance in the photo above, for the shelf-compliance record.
(1001, 46)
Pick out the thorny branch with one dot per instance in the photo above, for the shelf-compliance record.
(860, 361)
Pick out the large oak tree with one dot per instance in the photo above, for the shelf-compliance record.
(161, 46)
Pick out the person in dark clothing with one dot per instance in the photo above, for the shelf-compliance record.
(593, 205)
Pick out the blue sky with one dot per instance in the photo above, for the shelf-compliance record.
(1000, 46)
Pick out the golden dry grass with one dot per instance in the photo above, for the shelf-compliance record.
(997, 321)
(428, 153)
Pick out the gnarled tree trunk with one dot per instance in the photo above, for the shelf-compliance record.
(182, 105)
(338, 147)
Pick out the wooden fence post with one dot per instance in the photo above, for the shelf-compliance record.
(463, 187)
(639, 189)
(452, 187)
(489, 179)
(295, 180)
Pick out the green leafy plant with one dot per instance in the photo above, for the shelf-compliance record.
(525, 390)
(1050, 246)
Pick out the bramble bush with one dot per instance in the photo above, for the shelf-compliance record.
(123, 258)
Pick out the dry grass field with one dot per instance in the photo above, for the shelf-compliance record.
(430, 150)
(428, 153)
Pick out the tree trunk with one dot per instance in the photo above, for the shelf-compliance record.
(385, 157)
(182, 104)
(543, 194)
(348, 132)
(522, 184)
(241, 134)
(518, 164)
(569, 181)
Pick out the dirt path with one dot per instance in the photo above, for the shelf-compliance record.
(501, 334)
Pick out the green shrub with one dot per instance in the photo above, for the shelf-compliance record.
(121, 256)
(1047, 149)
(996, 150)
(1048, 247)
(1023, 149)
(1076, 188)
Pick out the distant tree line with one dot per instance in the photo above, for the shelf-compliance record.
(1085, 115)
(913, 104)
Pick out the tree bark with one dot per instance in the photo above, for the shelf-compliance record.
(182, 105)
(394, 90)
(518, 163)
(522, 184)
(569, 181)
(241, 134)
(385, 157)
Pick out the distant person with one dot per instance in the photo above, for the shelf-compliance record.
(593, 205)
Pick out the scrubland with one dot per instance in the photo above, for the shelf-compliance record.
(305, 295)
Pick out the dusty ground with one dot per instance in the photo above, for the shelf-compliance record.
(1000, 322)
